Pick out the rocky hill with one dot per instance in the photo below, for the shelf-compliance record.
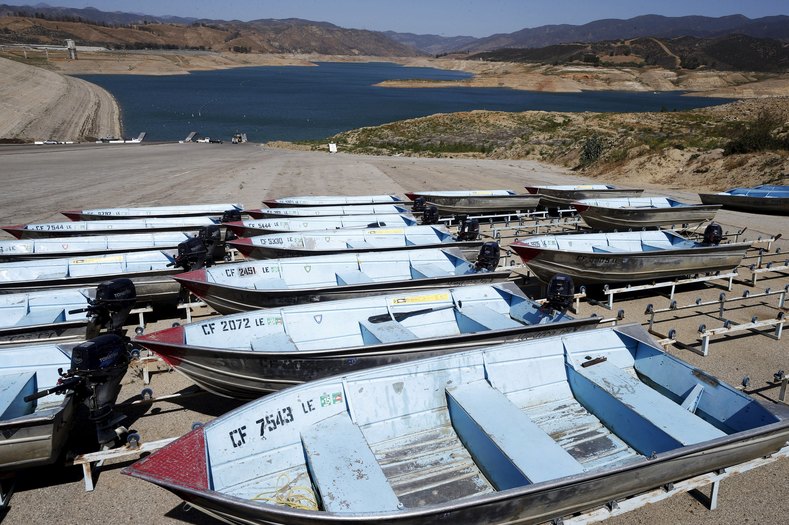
(776, 27)
(735, 52)
(257, 36)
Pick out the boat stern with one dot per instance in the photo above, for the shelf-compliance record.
(256, 213)
(181, 464)
(243, 245)
(73, 215)
(17, 230)
(525, 252)
(166, 343)
(237, 227)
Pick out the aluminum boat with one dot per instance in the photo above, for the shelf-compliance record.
(625, 257)
(348, 241)
(247, 354)
(296, 280)
(635, 213)
(529, 432)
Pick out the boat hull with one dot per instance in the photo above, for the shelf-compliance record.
(37, 439)
(48, 333)
(23, 233)
(605, 218)
(155, 286)
(228, 299)
(532, 504)
(604, 268)
(328, 200)
(470, 205)
(274, 251)
(766, 205)
(551, 198)
(248, 374)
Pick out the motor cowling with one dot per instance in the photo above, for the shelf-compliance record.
(211, 236)
(469, 230)
(419, 204)
(233, 215)
(713, 234)
(100, 364)
(192, 254)
(430, 215)
(561, 291)
(111, 307)
(488, 258)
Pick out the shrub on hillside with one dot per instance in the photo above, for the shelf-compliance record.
(760, 134)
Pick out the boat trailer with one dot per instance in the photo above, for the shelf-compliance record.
(728, 327)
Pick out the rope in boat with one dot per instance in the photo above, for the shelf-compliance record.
(294, 496)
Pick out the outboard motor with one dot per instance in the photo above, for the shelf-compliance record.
(560, 292)
(469, 230)
(211, 236)
(111, 307)
(713, 234)
(488, 258)
(419, 204)
(233, 215)
(430, 215)
(192, 254)
(96, 370)
(99, 364)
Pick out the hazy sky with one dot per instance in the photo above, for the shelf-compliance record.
(443, 17)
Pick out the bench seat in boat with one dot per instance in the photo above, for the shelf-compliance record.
(507, 445)
(344, 469)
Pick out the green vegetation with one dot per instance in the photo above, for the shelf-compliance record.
(762, 134)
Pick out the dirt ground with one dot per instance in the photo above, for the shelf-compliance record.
(37, 104)
(41, 180)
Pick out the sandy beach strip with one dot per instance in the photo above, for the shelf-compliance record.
(37, 104)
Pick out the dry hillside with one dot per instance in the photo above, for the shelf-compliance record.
(742, 143)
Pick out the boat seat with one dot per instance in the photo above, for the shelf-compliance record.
(275, 283)
(477, 318)
(608, 249)
(651, 247)
(40, 317)
(359, 245)
(506, 444)
(647, 420)
(13, 389)
(528, 312)
(427, 270)
(280, 342)
(349, 278)
(385, 332)
(344, 469)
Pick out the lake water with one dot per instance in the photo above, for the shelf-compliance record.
(315, 102)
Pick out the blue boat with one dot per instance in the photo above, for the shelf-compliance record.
(767, 198)
(521, 433)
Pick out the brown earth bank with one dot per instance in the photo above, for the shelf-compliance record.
(37, 104)
(744, 143)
